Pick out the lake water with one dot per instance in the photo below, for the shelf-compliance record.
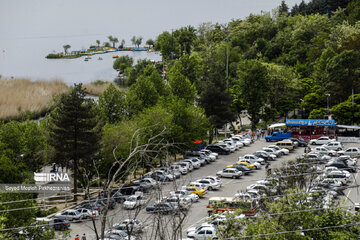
(31, 29)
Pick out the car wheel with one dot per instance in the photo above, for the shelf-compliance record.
(313, 143)
(233, 177)
(210, 188)
(268, 140)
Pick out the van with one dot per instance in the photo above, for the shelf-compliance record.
(286, 144)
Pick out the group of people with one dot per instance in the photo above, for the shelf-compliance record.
(260, 133)
(77, 237)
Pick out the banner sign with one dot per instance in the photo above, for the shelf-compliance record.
(310, 122)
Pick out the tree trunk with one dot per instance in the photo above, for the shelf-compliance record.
(211, 135)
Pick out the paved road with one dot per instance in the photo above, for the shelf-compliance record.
(197, 212)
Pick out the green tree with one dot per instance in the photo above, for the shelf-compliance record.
(112, 105)
(343, 73)
(347, 112)
(123, 62)
(74, 133)
(66, 48)
(106, 44)
(133, 40)
(318, 113)
(138, 41)
(214, 95)
(150, 42)
(181, 86)
(165, 44)
(98, 43)
(122, 44)
(142, 94)
(254, 86)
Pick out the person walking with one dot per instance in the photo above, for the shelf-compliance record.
(268, 169)
(83, 237)
(77, 237)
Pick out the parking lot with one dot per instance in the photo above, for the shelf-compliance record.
(197, 213)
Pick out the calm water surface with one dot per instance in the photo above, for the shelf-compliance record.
(30, 29)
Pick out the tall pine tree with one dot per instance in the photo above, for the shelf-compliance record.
(74, 133)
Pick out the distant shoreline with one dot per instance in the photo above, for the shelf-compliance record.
(94, 51)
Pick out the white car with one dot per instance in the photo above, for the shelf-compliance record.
(216, 155)
(260, 187)
(331, 182)
(215, 178)
(244, 140)
(325, 151)
(87, 213)
(193, 162)
(271, 151)
(249, 161)
(150, 181)
(181, 168)
(129, 226)
(71, 215)
(337, 146)
(205, 233)
(328, 170)
(273, 156)
(190, 232)
(212, 157)
(180, 202)
(254, 158)
(230, 172)
(284, 151)
(338, 175)
(228, 145)
(237, 144)
(186, 194)
(198, 185)
(321, 141)
(135, 201)
(167, 175)
(346, 159)
(211, 184)
(187, 165)
(352, 152)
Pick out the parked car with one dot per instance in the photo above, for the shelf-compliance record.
(338, 176)
(211, 184)
(191, 231)
(59, 224)
(336, 146)
(87, 213)
(236, 144)
(328, 170)
(270, 156)
(198, 185)
(195, 163)
(215, 178)
(253, 158)
(330, 182)
(135, 201)
(179, 202)
(71, 215)
(283, 151)
(325, 151)
(150, 181)
(180, 168)
(249, 163)
(230, 172)
(187, 165)
(244, 141)
(301, 142)
(168, 176)
(242, 168)
(162, 207)
(321, 141)
(198, 154)
(277, 136)
(352, 152)
(195, 190)
(171, 171)
(205, 233)
(185, 194)
(218, 149)
(264, 155)
(228, 145)
(93, 206)
(341, 166)
(271, 151)
(286, 144)
(129, 226)
(212, 155)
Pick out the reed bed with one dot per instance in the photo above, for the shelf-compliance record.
(19, 96)
(98, 87)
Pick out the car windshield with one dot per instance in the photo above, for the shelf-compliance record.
(132, 199)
